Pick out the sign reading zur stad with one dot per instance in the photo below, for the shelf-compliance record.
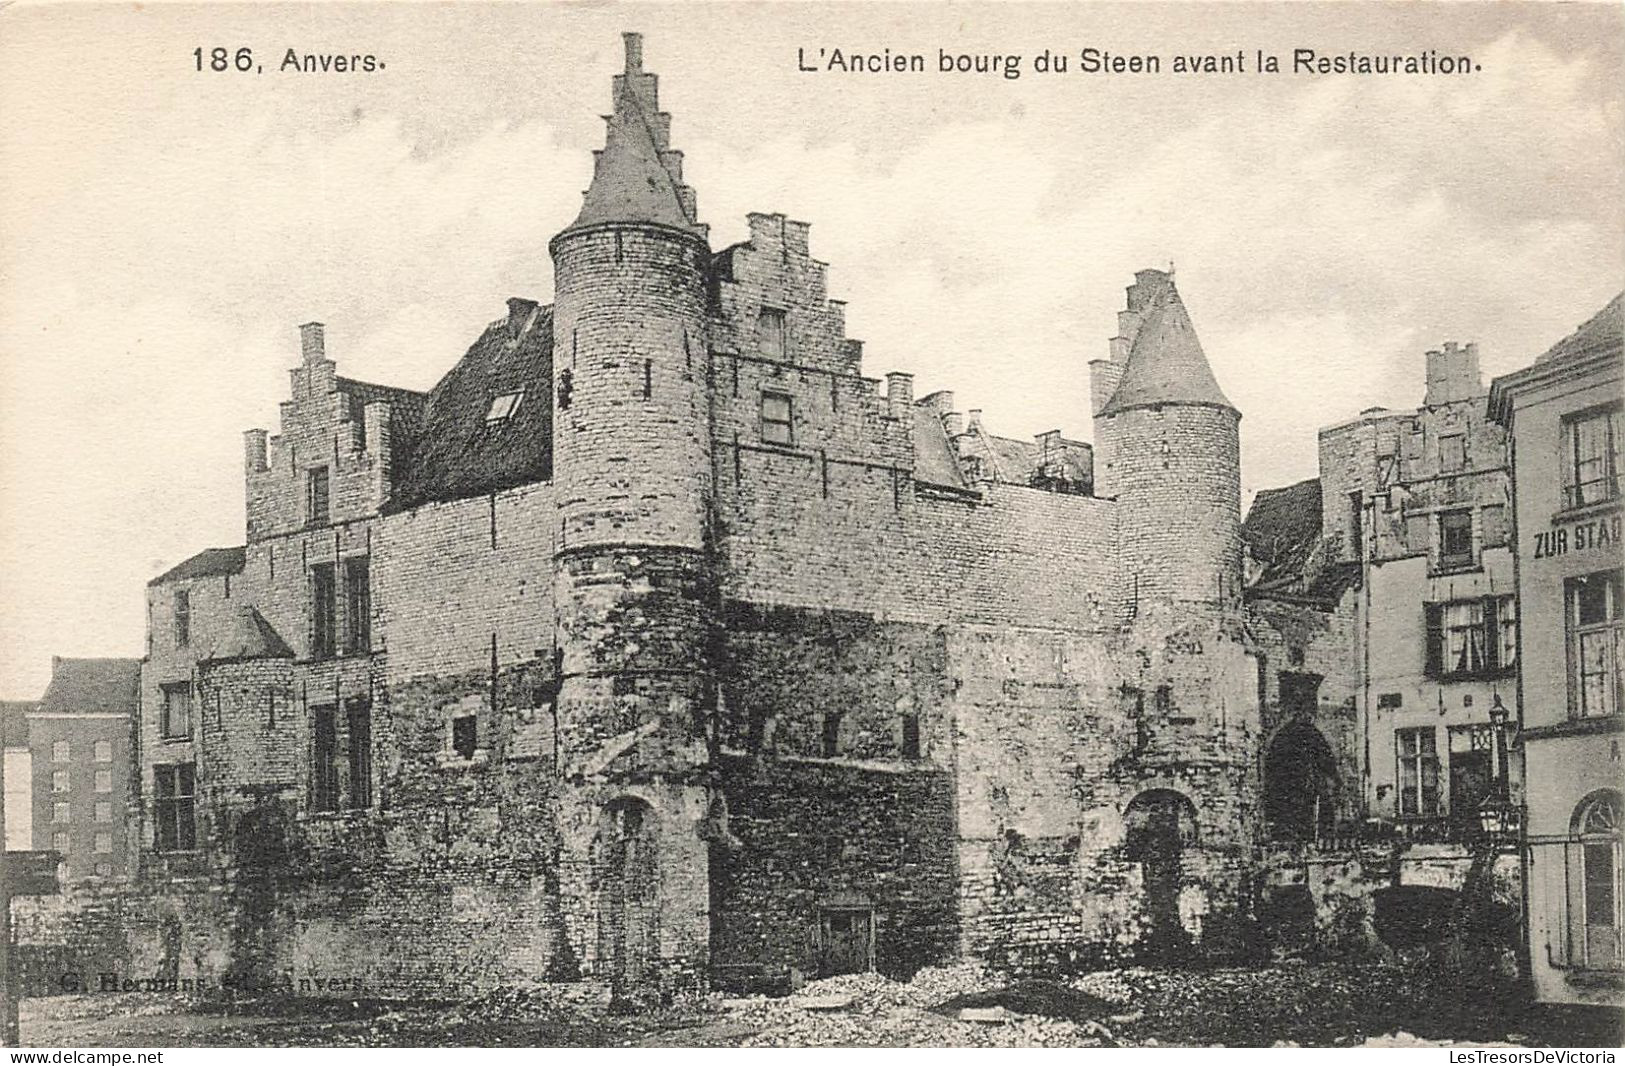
(1592, 534)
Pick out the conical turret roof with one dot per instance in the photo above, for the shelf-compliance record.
(1166, 364)
(637, 177)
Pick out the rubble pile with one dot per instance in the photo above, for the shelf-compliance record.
(875, 1011)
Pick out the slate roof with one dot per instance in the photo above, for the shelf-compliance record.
(251, 637)
(636, 175)
(210, 562)
(1166, 363)
(1282, 529)
(93, 686)
(1602, 332)
(458, 453)
(935, 462)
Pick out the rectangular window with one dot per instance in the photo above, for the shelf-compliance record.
(104, 843)
(1455, 539)
(324, 770)
(1471, 638)
(1418, 772)
(1356, 524)
(770, 332)
(175, 827)
(61, 751)
(61, 813)
(1492, 520)
(59, 781)
(911, 736)
(176, 713)
(104, 780)
(104, 751)
(183, 618)
(1591, 456)
(1596, 636)
(358, 720)
(832, 734)
(357, 605)
(323, 607)
(776, 421)
(1453, 452)
(465, 735)
(59, 843)
(104, 811)
(316, 497)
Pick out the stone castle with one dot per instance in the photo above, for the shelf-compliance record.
(658, 645)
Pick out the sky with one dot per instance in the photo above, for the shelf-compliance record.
(163, 231)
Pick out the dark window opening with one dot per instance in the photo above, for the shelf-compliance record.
(758, 728)
(358, 605)
(1356, 524)
(1455, 539)
(911, 736)
(175, 827)
(324, 775)
(316, 497)
(358, 714)
(176, 712)
(1471, 638)
(322, 609)
(183, 617)
(832, 734)
(464, 735)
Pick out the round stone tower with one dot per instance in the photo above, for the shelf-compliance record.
(1170, 445)
(632, 580)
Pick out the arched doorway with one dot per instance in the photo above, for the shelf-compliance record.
(1300, 783)
(1596, 829)
(1159, 825)
(626, 850)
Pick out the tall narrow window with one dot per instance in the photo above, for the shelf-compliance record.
(1418, 772)
(1506, 631)
(324, 771)
(1591, 456)
(322, 609)
(832, 734)
(770, 332)
(911, 736)
(358, 715)
(175, 827)
(316, 497)
(357, 606)
(176, 711)
(1357, 524)
(1455, 539)
(1596, 916)
(183, 618)
(776, 420)
(1453, 452)
(1596, 635)
(465, 735)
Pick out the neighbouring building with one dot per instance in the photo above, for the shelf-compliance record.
(19, 775)
(81, 741)
(1563, 416)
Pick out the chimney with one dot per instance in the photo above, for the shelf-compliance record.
(900, 393)
(254, 451)
(1452, 374)
(312, 344)
(634, 52)
(520, 311)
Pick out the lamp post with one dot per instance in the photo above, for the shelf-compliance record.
(1495, 813)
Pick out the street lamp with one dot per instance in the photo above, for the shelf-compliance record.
(1495, 814)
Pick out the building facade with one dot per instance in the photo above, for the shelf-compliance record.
(657, 644)
(19, 775)
(1563, 416)
(81, 742)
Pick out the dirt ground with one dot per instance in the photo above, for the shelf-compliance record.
(1312, 1005)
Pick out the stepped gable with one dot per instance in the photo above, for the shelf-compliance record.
(1166, 365)
(637, 177)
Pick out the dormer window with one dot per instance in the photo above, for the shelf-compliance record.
(503, 408)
